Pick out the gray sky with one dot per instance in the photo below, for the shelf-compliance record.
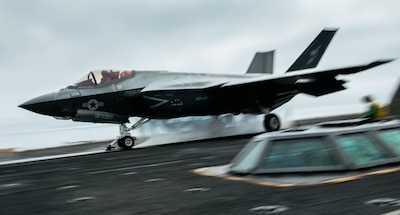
(46, 45)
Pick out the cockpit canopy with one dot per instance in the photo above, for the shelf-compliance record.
(102, 76)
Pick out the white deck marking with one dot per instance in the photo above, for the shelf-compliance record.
(27, 160)
(135, 167)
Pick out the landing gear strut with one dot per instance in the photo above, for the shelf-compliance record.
(271, 122)
(125, 140)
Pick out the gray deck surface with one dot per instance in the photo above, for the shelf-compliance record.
(158, 180)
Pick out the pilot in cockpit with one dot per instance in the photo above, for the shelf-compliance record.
(108, 76)
(105, 76)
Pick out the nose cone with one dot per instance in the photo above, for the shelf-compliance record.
(44, 104)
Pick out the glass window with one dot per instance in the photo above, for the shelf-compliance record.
(361, 149)
(392, 138)
(306, 152)
(249, 159)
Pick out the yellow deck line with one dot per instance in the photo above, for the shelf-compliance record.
(204, 171)
(7, 150)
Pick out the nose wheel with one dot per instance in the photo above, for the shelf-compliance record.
(125, 141)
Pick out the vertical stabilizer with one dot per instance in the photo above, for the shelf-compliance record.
(313, 53)
(263, 62)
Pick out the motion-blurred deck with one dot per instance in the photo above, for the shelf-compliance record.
(160, 180)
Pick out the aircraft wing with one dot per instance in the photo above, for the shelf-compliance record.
(280, 89)
(310, 82)
(271, 91)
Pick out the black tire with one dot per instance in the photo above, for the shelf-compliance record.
(126, 142)
(272, 122)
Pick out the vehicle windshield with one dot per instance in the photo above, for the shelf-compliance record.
(102, 76)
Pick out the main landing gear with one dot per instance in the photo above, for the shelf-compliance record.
(125, 140)
(272, 122)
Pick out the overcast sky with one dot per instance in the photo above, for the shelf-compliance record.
(48, 44)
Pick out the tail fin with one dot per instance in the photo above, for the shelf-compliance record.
(263, 62)
(313, 53)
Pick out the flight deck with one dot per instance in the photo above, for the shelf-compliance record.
(160, 180)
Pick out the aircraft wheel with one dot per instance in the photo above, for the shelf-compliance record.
(126, 142)
(271, 122)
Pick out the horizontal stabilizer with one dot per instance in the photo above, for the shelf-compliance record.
(263, 62)
(354, 69)
(313, 53)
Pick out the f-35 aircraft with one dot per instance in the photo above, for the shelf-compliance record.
(114, 95)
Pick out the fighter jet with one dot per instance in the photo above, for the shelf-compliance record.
(115, 95)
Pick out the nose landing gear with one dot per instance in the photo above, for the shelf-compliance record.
(125, 140)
